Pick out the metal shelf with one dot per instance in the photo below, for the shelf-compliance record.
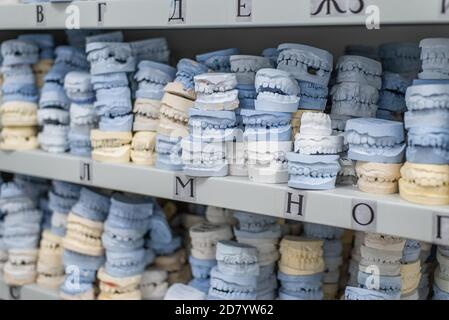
(217, 13)
(28, 292)
(342, 207)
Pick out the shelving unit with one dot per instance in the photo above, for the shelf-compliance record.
(391, 215)
(217, 13)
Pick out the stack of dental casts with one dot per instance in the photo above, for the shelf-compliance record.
(425, 175)
(378, 147)
(18, 111)
(314, 164)
(427, 267)
(170, 264)
(45, 43)
(441, 276)
(411, 272)
(123, 240)
(380, 272)
(170, 257)
(267, 128)
(110, 62)
(263, 233)
(301, 268)
(83, 249)
(235, 275)
(332, 255)
(245, 68)
(83, 118)
(212, 124)
(355, 257)
(21, 232)
(204, 237)
(178, 98)
(54, 105)
(400, 63)
(151, 78)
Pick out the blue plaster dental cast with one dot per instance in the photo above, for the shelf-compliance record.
(107, 57)
(412, 251)
(306, 63)
(183, 85)
(272, 54)
(435, 60)
(390, 285)
(312, 96)
(44, 41)
(315, 172)
(300, 287)
(245, 67)
(352, 293)
(428, 145)
(375, 140)
(16, 52)
(401, 58)
(73, 57)
(392, 93)
(362, 50)
(320, 231)
(152, 78)
(212, 125)
(169, 153)
(154, 49)
(225, 286)
(266, 126)
(277, 91)
(359, 69)
(218, 61)
(354, 99)
(201, 267)
(428, 105)
(115, 36)
(235, 258)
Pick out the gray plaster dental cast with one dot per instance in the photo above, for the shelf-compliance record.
(354, 99)
(272, 54)
(347, 174)
(316, 172)
(428, 105)
(401, 58)
(435, 58)
(375, 140)
(312, 96)
(359, 69)
(107, 56)
(205, 237)
(218, 61)
(216, 91)
(179, 291)
(392, 93)
(154, 49)
(306, 63)
(315, 136)
(252, 222)
(237, 258)
(78, 87)
(387, 261)
(154, 284)
(245, 67)
(277, 91)
(225, 286)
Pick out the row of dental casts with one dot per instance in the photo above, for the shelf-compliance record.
(98, 244)
(234, 114)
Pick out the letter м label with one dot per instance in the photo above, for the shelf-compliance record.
(184, 188)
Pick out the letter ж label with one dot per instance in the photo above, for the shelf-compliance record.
(336, 8)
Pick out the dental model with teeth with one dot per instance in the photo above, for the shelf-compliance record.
(21, 231)
(378, 178)
(18, 112)
(153, 49)
(245, 67)
(359, 69)
(392, 93)
(204, 238)
(154, 285)
(434, 57)
(402, 58)
(263, 233)
(441, 275)
(217, 61)
(50, 271)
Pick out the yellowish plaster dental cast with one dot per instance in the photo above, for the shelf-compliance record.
(113, 147)
(379, 178)
(83, 236)
(142, 148)
(18, 138)
(18, 114)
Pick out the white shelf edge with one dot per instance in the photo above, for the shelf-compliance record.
(28, 292)
(332, 207)
(211, 14)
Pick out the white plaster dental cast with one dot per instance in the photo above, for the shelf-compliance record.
(301, 256)
(315, 136)
(277, 90)
(18, 138)
(216, 91)
(49, 265)
(424, 183)
(236, 156)
(119, 288)
(18, 113)
(142, 148)
(83, 235)
(245, 67)
(378, 178)
(237, 258)
(114, 147)
(267, 161)
(205, 237)
(154, 284)
(179, 291)
(306, 63)
(20, 269)
(202, 159)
